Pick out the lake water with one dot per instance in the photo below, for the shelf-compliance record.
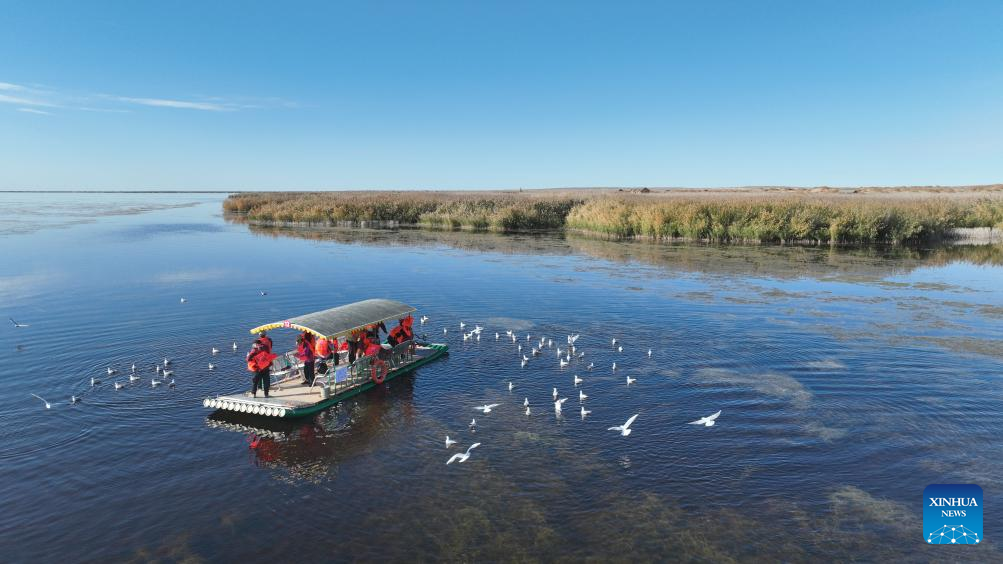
(848, 381)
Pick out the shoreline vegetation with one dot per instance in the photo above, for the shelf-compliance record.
(906, 215)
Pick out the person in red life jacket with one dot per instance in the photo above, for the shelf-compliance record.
(406, 323)
(259, 361)
(304, 352)
(265, 341)
(323, 349)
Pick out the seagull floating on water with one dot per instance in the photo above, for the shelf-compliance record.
(133, 366)
(525, 402)
(591, 364)
(423, 319)
(555, 393)
(166, 361)
(443, 330)
(111, 371)
(47, 406)
(168, 373)
(449, 442)
(235, 345)
(497, 336)
(133, 377)
(523, 364)
(172, 383)
(212, 366)
(74, 399)
(625, 428)
(487, 408)
(619, 349)
(473, 423)
(564, 363)
(462, 457)
(614, 367)
(581, 396)
(585, 412)
(95, 382)
(462, 325)
(527, 410)
(631, 380)
(510, 386)
(119, 385)
(16, 324)
(263, 293)
(215, 351)
(706, 421)
(614, 341)
(154, 382)
(578, 380)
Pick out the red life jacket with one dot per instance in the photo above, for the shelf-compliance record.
(260, 360)
(265, 342)
(323, 347)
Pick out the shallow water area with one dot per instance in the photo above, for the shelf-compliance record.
(848, 380)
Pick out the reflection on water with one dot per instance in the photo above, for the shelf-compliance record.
(848, 380)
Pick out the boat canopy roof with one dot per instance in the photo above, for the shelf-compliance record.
(342, 320)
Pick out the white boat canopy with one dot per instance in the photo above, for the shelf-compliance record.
(342, 320)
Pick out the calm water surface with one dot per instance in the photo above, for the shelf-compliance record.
(848, 381)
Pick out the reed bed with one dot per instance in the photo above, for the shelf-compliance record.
(735, 216)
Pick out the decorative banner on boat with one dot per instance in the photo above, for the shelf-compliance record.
(952, 514)
(286, 324)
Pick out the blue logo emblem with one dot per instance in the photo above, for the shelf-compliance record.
(952, 514)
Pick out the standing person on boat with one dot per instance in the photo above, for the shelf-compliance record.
(354, 344)
(323, 349)
(265, 341)
(304, 352)
(259, 361)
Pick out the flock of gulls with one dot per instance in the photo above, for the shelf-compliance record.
(530, 349)
(163, 374)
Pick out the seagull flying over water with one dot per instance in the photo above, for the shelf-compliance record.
(449, 442)
(558, 404)
(16, 324)
(706, 421)
(487, 408)
(625, 428)
(47, 406)
(462, 457)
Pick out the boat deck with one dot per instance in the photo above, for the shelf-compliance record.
(292, 394)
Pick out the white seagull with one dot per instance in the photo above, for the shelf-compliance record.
(578, 380)
(473, 423)
(585, 412)
(462, 456)
(649, 353)
(619, 349)
(449, 442)
(74, 399)
(235, 345)
(133, 377)
(168, 373)
(487, 408)
(47, 406)
(591, 364)
(423, 319)
(523, 365)
(18, 325)
(581, 396)
(564, 363)
(527, 410)
(625, 428)
(133, 366)
(706, 421)
(525, 402)
(212, 366)
(631, 380)
(154, 382)
(614, 341)
(183, 300)
(215, 351)
(443, 330)
(95, 382)
(555, 393)
(508, 333)
(497, 336)
(462, 325)
(510, 386)
(558, 404)
(614, 367)
(525, 358)
(119, 385)
(166, 361)
(111, 371)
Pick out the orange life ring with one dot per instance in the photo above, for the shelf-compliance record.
(378, 371)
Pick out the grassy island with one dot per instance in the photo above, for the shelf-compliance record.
(773, 215)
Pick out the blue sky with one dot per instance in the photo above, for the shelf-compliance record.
(332, 95)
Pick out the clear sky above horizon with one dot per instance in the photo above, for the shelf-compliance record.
(455, 95)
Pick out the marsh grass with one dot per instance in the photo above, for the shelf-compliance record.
(725, 216)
